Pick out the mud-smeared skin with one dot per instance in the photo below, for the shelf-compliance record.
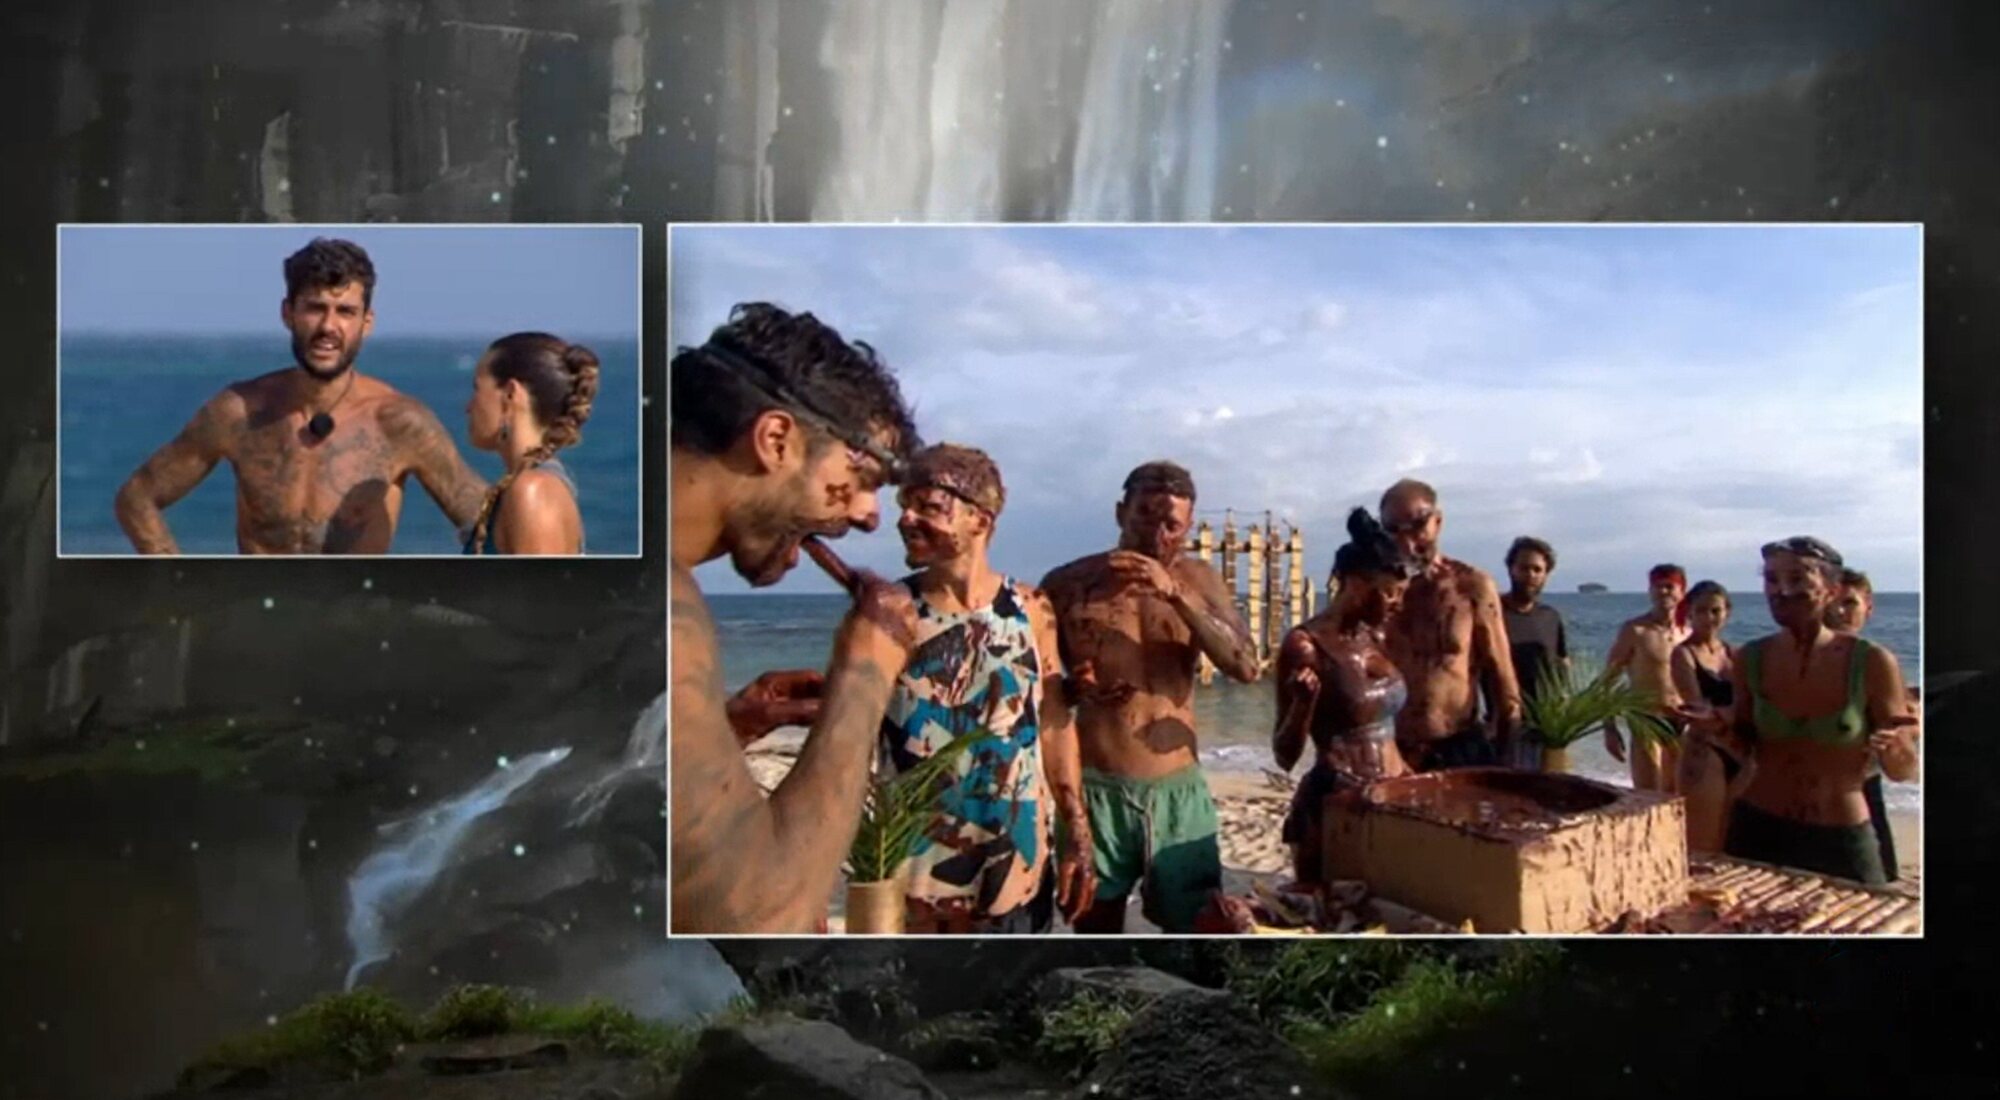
(885, 604)
(1352, 679)
(1809, 781)
(1076, 873)
(1132, 658)
(1448, 633)
(824, 557)
(295, 492)
(1333, 689)
(741, 862)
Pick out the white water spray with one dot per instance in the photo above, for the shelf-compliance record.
(645, 750)
(416, 849)
(935, 108)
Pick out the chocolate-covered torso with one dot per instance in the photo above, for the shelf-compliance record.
(1135, 705)
(1430, 642)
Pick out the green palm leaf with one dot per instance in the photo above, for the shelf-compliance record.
(1571, 703)
(898, 809)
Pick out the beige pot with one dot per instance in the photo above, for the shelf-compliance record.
(1555, 761)
(876, 908)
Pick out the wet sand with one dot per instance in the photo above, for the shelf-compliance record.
(1252, 811)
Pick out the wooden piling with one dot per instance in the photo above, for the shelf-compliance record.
(1256, 583)
(1229, 550)
(1295, 581)
(1204, 542)
(1274, 616)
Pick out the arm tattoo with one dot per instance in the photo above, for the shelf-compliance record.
(171, 473)
(429, 452)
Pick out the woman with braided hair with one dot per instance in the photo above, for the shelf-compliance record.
(530, 397)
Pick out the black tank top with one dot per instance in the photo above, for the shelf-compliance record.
(1718, 690)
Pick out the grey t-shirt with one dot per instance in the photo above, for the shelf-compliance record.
(1536, 638)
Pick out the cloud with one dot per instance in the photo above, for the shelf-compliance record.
(1616, 394)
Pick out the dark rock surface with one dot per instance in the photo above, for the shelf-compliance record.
(791, 1059)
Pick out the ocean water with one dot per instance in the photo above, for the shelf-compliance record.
(124, 396)
(763, 632)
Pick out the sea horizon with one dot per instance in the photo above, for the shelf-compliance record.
(123, 395)
(763, 631)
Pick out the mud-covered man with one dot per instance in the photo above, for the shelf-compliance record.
(1010, 842)
(780, 430)
(1448, 637)
(1133, 624)
(321, 452)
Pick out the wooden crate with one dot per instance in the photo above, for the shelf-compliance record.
(1555, 854)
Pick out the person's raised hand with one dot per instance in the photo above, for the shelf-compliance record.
(788, 697)
(1146, 574)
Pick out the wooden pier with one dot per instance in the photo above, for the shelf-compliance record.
(1265, 573)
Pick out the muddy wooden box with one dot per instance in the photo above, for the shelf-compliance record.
(1512, 851)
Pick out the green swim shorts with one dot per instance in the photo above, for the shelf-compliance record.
(1159, 834)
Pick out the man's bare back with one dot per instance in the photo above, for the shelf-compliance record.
(297, 493)
(1132, 658)
(1447, 632)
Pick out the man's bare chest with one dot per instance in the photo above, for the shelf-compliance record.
(286, 467)
(1094, 624)
(1434, 620)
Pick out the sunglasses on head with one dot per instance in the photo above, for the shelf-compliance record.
(1803, 546)
(749, 371)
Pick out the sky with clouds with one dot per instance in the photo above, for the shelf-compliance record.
(1631, 394)
(481, 280)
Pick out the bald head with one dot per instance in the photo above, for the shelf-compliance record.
(1409, 491)
(1410, 513)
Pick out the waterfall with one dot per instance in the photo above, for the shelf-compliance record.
(1146, 129)
(935, 105)
(645, 750)
(879, 60)
(416, 849)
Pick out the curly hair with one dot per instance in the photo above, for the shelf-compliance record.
(561, 380)
(1529, 543)
(327, 263)
(843, 381)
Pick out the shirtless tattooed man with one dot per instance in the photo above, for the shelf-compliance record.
(781, 431)
(1448, 635)
(1132, 624)
(321, 453)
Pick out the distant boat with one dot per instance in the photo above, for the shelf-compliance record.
(1592, 589)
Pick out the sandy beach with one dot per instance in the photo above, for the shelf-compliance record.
(1252, 810)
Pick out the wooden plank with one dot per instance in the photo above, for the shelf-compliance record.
(1903, 921)
(1847, 903)
(1763, 889)
(1856, 917)
(1872, 923)
(1791, 896)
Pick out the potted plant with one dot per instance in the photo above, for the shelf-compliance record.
(893, 819)
(1572, 702)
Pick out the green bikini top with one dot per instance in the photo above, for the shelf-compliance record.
(1846, 726)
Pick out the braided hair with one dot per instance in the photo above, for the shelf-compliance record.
(561, 380)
